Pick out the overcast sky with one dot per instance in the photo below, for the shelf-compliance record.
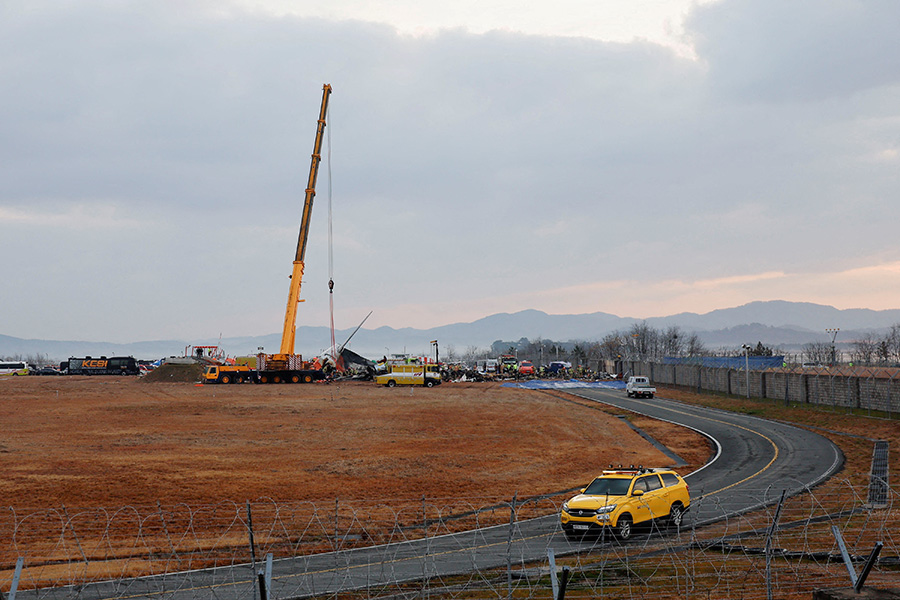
(640, 158)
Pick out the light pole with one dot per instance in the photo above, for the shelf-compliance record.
(747, 366)
(833, 333)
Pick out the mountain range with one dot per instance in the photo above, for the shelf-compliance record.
(785, 325)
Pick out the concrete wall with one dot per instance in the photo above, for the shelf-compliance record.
(851, 391)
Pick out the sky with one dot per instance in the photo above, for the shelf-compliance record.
(638, 158)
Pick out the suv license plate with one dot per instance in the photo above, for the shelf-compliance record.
(581, 527)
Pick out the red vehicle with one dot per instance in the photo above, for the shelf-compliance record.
(526, 367)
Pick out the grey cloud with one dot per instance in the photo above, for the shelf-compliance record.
(468, 148)
(809, 50)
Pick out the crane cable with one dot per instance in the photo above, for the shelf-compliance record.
(330, 246)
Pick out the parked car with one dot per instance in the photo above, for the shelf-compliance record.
(526, 367)
(45, 371)
(559, 366)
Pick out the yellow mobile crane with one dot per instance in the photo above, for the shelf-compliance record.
(286, 366)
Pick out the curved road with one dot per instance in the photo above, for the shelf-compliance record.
(755, 460)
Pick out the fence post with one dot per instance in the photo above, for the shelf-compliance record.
(844, 554)
(425, 537)
(336, 507)
(870, 562)
(563, 584)
(787, 388)
(554, 582)
(252, 544)
(265, 580)
(769, 547)
(261, 578)
(512, 520)
(15, 582)
(890, 387)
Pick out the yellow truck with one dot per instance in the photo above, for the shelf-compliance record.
(427, 375)
(262, 369)
(229, 374)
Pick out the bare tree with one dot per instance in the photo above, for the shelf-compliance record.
(473, 353)
(671, 342)
(450, 354)
(864, 350)
(817, 352)
(892, 340)
(642, 341)
(694, 347)
(883, 351)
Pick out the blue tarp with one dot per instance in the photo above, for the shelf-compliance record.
(553, 384)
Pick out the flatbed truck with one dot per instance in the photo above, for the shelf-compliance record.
(294, 370)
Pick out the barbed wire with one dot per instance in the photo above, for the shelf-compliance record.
(731, 556)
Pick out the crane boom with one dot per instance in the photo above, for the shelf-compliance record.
(290, 316)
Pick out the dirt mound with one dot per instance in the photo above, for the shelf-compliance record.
(172, 373)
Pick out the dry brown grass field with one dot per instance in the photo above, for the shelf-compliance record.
(116, 441)
(111, 442)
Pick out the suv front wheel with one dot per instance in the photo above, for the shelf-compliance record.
(625, 527)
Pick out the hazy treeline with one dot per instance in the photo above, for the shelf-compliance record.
(639, 342)
(35, 360)
(643, 342)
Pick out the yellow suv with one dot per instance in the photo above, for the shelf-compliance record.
(621, 499)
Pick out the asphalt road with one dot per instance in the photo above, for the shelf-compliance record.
(754, 461)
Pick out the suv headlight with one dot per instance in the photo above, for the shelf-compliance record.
(565, 506)
(606, 509)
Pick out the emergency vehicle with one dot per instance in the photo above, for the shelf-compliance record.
(621, 499)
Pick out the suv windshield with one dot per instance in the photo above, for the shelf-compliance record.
(611, 487)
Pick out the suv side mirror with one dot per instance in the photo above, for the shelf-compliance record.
(637, 493)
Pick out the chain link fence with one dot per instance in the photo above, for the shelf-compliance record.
(427, 548)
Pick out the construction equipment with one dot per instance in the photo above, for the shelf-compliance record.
(285, 366)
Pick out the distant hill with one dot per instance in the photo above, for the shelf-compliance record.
(774, 323)
(779, 313)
